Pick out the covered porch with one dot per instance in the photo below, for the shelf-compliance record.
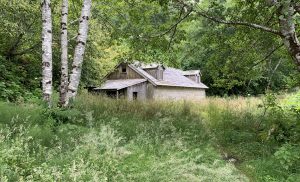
(123, 88)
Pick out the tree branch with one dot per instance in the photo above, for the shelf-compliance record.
(271, 76)
(13, 48)
(26, 50)
(268, 55)
(175, 28)
(271, 17)
(12, 51)
(239, 23)
(74, 21)
(172, 27)
(119, 12)
(73, 38)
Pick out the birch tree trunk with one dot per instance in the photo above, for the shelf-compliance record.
(64, 54)
(79, 51)
(288, 31)
(46, 51)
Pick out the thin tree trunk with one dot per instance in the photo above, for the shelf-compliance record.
(79, 51)
(46, 51)
(64, 54)
(288, 31)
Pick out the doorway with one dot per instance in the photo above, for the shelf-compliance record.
(134, 95)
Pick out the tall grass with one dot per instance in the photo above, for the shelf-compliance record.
(109, 140)
(253, 133)
(101, 139)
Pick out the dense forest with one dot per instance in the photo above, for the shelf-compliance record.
(234, 60)
(247, 129)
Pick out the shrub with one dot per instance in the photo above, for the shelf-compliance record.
(288, 156)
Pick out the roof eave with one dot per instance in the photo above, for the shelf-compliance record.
(134, 68)
(182, 86)
(142, 81)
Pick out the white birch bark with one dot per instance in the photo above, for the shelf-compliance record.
(79, 50)
(288, 31)
(46, 50)
(64, 54)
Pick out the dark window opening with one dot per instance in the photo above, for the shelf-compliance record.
(111, 94)
(123, 69)
(134, 95)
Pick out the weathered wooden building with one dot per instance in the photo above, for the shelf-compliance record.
(153, 81)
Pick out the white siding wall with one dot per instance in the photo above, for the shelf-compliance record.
(141, 90)
(150, 90)
(178, 93)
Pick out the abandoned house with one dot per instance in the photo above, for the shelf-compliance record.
(153, 81)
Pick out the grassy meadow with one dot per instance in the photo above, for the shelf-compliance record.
(99, 139)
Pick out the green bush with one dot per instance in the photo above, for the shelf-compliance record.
(288, 156)
(17, 81)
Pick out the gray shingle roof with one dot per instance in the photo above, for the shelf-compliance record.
(174, 77)
(119, 84)
(171, 77)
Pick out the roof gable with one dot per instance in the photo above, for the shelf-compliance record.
(171, 77)
(118, 73)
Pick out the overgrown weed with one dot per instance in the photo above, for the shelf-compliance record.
(100, 139)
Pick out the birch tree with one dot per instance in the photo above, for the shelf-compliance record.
(46, 50)
(64, 54)
(79, 51)
(285, 28)
(286, 12)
